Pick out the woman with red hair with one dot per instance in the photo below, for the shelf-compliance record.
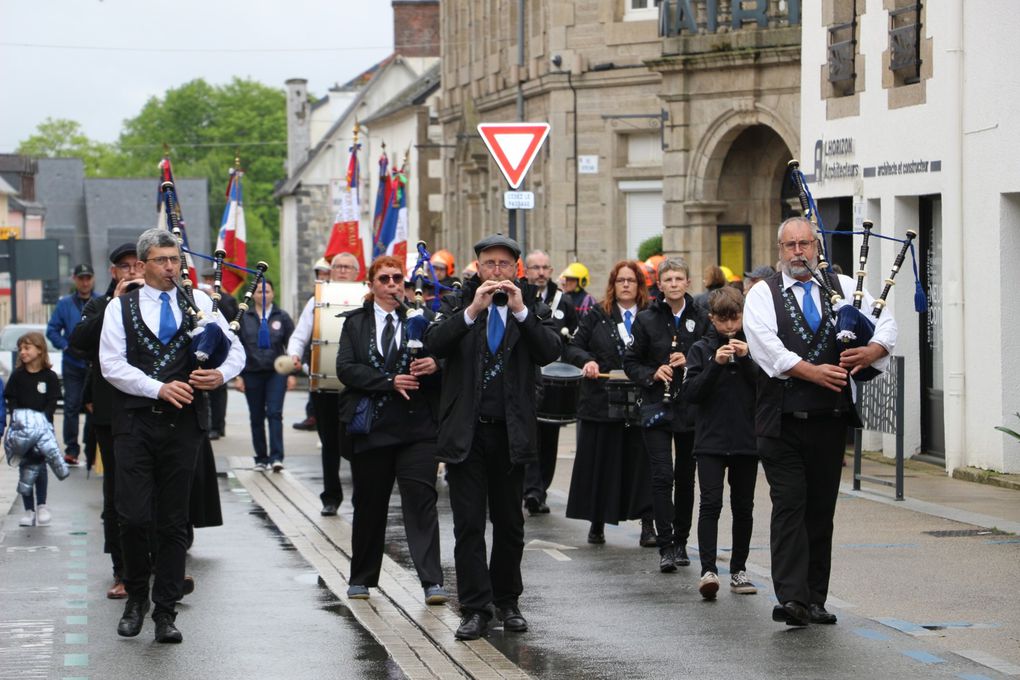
(388, 405)
(610, 481)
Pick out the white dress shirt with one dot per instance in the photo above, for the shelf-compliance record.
(302, 334)
(113, 342)
(502, 311)
(761, 326)
(380, 326)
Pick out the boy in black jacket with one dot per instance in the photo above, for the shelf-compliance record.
(720, 383)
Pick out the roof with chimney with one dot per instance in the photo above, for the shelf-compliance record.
(414, 94)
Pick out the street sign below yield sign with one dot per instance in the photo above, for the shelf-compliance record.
(514, 146)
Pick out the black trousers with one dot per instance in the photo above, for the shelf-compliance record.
(743, 474)
(218, 409)
(334, 442)
(538, 476)
(803, 467)
(487, 478)
(111, 522)
(156, 456)
(413, 467)
(672, 484)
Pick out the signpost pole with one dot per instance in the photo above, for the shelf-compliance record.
(11, 243)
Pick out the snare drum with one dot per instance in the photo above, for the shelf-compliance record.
(623, 398)
(561, 385)
(331, 298)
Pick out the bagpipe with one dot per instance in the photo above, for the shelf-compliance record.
(415, 320)
(210, 344)
(854, 328)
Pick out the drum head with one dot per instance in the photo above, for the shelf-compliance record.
(560, 369)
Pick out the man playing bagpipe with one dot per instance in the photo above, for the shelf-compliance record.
(804, 405)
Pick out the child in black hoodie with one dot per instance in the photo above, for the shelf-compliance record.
(720, 384)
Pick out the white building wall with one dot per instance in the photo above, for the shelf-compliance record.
(968, 122)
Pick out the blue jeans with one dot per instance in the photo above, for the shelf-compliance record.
(264, 391)
(74, 386)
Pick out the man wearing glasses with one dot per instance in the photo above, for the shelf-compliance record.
(538, 476)
(145, 352)
(804, 406)
(494, 336)
(343, 267)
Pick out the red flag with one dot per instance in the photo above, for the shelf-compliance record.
(169, 212)
(346, 235)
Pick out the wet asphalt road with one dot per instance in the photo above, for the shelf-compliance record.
(594, 611)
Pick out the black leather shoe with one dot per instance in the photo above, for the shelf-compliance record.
(596, 534)
(472, 626)
(131, 621)
(328, 510)
(307, 424)
(666, 563)
(647, 534)
(680, 557)
(512, 618)
(543, 509)
(820, 615)
(214, 435)
(166, 631)
(532, 504)
(188, 585)
(791, 613)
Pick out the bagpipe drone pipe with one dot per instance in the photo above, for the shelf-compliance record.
(854, 327)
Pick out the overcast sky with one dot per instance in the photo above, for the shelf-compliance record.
(98, 61)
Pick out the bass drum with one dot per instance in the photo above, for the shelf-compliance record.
(561, 385)
(331, 299)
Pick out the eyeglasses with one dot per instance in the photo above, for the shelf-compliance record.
(126, 267)
(497, 264)
(163, 260)
(386, 278)
(620, 279)
(794, 245)
(539, 268)
(344, 267)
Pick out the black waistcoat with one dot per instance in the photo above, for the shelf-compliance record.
(165, 363)
(792, 395)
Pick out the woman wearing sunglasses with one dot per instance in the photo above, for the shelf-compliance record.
(389, 398)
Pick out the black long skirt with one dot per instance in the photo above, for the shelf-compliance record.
(611, 480)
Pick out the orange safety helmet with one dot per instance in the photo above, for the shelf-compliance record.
(444, 257)
(649, 272)
(654, 261)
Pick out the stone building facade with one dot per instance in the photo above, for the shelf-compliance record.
(658, 125)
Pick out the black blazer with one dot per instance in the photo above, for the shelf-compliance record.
(360, 368)
(530, 344)
(597, 339)
(653, 336)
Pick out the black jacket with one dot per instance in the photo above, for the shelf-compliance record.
(529, 345)
(84, 339)
(597, 339)
(653, 336)
(280, 328)
(361, 369)
(564, 316)
(722, 397)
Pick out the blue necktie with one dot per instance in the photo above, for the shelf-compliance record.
(627, 320)
(811, 314)
(495, 329)
(167, 323)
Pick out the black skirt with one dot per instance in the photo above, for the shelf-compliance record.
(205, 509)
(611, 480)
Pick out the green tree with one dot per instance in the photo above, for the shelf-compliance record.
(204, 127)
(62, 138)
(650, 246)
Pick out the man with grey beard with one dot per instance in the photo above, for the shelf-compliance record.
(804, 406)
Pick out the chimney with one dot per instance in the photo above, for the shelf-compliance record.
(416, 28)
(299, 139)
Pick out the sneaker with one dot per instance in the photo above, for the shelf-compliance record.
(28, 519)
(740, 583)
(435, 594)
(42, 516)
(260, 467)
(277, 465)
(355, 592)
(708, 585)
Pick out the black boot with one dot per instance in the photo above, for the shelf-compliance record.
(166, 631)
(134, 614)
(596, 534)
(680, 557)
(666, 563)
(647, 533)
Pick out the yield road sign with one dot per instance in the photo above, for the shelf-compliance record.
(514, 146)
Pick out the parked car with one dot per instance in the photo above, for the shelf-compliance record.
(9, 351)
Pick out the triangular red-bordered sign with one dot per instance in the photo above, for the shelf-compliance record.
(514, 146)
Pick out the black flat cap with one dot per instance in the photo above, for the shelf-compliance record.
(498, 241)
(762, 272)
(122, 250)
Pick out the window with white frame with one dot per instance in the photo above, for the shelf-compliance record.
(641, 10)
